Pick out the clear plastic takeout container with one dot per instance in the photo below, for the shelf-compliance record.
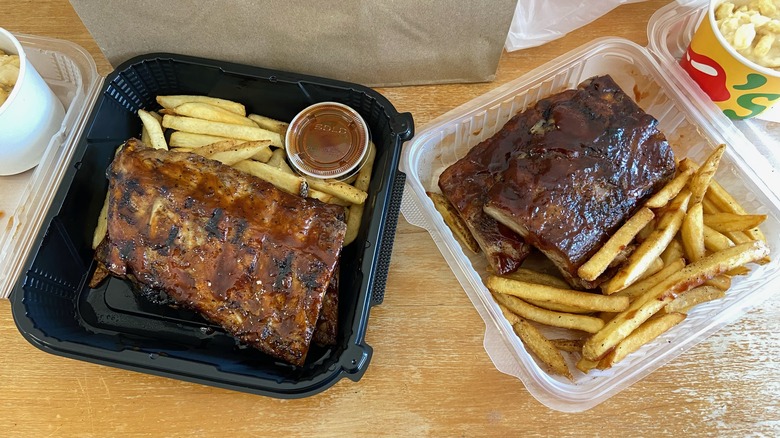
(692, 126)
(70, 72)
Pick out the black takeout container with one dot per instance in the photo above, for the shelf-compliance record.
(56, 311)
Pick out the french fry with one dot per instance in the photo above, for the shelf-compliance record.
(509, 315)
(263, 155)
(218, 129)
(548, 317)
(277, 158)
(724, 222)
(601, 260)
(145, 139)
(102, 225)
(640, 287)
(173, 101)
(670, 190)
(232, 151)
(531, 276)
(737, 236)
(645, 333)
(554, 361)
(672, 252)
(269, 123)
(686, 300)
(606, 316)
(324, 197)
(586, 365)
(100, 274)
(205, 111)
(350, 179)
(692, 233)
(655, 265)
(722, 282)
(700, 181)
(219, 146)
(708, 206)
(241, 152)
(541, 347)
(638, 262)
(648, 229)
(602, 342)
(189, 140)
(454, 221)
(739, 270)
(363, 178)
(284, 181)
(694, 274)
(338, 189)
(715, 241)
(550, 305)
(584, 300)
(101, 229)
(152, 126)
(362, 182)
(568, 345)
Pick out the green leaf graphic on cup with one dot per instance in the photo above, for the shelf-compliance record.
(746, 101)
(753, 81)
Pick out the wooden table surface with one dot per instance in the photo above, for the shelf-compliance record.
(430, 375)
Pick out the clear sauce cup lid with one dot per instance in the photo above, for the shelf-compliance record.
(327, 140)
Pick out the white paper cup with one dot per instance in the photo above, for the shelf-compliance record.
(30, 116)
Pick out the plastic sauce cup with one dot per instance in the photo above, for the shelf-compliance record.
(740, 87)
(30, 116)
(327, 140)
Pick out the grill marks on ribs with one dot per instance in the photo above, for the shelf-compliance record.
(234, 248)
(582, 162)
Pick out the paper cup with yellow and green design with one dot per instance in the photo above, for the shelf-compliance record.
(739, 86)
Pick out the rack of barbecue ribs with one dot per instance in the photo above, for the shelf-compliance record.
(561, 176)
(230, 246)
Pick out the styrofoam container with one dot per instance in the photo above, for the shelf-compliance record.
(692, 128)
(70, 73)
(29, 117)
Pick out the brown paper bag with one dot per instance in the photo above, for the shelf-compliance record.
(375, 43)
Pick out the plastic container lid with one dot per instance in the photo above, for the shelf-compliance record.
(327, 140)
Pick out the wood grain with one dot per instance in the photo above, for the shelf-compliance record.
(430, 375)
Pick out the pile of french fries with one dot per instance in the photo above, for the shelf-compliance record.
(680, 249)
(221, 130)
